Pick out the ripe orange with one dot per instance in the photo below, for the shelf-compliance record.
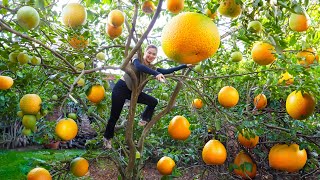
(190, 37)
(210, 14)
(240, 159)
(300, 106)
(28, 17)
(288, 78)
(96, 94)
(5, 82)
(30, 104)
(79, 166)
(299, 22)
(229, 8)
(178, 128)
(197, 103)
(307, 57)
(78, 42)
(246, 140)
(214, 153)
(39, 174)
(260, 101)
(66, 129)
(73, 15)
(113, 32)
(165, 165)
(115, 18)
(148, 7)
(228, 96)
(263, 53)
(175, 6)
(287, 158)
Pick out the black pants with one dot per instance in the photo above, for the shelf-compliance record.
(120, 93)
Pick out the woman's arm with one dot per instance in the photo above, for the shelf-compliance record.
(144, 68)
(171, 70)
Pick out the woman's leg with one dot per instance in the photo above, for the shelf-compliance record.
(151, 103)
(119, 95)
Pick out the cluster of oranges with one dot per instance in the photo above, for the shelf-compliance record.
(30, 105)
(78, 167)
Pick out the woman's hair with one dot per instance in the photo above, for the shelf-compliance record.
(152, 46)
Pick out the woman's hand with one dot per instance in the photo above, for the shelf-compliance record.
(161, 78)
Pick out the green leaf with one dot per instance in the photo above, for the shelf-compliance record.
(247, 166)
(39, 4)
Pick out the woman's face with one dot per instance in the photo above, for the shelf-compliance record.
(150, 55)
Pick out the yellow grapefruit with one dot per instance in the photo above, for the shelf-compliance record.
(263, 53)
(30, 104)
(190, 37)
(5, 82)
(73, 15)
(66, 129)
(300, 106)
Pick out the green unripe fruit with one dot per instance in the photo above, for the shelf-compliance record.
(23, 58)
(236, 56)
(255, 26)
(35, 61)
(13, 57)
(101, 56)
(79, 65)
(26, 132)
(54, 97)
(29, 121)
(28, 17)
(198, 68)
(72, 116)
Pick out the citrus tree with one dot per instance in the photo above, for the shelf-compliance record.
(249, 101)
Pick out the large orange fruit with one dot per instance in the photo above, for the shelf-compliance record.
(245, 138)
(287, 158)
(287, 78)
(96, 94)
(175, 6)
(78, 42)
(148, 7)
(197, 103)
(300, 106)
(115, 18)
(214, 153)
(190, 37)
(260, 101)
(299, 22)
(165, 165)
(228, 97)
(263, 53)
(113, 32)
(79, 166)
(5, 82)
(30, 104)
(39, 174)
(28, 17)
(240, 159)
(307, 57)
(66, 129)
(178, 128)
(73, 15)
(229, 8)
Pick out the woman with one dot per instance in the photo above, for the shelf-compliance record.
(122, 90)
